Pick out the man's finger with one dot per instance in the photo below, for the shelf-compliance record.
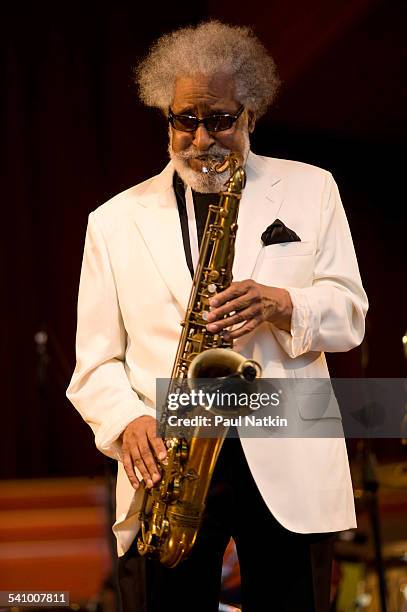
(235, 290)
(235, 319)
(234, 305)
(151, 470)
(157, 444)
(139, 457)
(137, 462)
(129, 469)
(243, 329)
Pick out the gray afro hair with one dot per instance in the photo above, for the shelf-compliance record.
(209, 48)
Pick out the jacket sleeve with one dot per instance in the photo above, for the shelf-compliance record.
(100, 389)
(330, 315)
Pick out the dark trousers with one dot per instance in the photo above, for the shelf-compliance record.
(281, 571)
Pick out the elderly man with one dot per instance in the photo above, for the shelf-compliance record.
(291, 300)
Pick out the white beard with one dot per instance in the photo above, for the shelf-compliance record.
(210, 182)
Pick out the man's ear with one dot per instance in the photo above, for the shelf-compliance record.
(251, 117)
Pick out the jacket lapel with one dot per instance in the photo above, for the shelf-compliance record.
(157, 218)
(261, 201)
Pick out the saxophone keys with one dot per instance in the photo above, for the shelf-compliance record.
(213, 275)
(191, 475)
(183, 451)
(176, 488)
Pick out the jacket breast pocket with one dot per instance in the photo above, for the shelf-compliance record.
(288, 264)
(289, 249)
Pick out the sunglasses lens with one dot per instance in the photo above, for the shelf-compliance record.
(218, 123)
(184, 123)
(213, 123)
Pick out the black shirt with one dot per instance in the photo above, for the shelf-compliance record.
(202, 202)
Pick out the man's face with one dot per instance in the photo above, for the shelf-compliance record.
(201, 96)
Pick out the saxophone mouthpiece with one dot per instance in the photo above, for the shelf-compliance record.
(222, 165)
(212, 165)
(219, 165)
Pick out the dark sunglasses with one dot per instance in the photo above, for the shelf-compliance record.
(213, 123)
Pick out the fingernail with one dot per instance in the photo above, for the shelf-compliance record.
(162, 456)
(149, 483)
(212, 327)
(156, 477)
(135, 485)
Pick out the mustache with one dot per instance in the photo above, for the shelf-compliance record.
(215, 153)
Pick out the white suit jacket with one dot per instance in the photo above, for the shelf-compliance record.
(134, 288)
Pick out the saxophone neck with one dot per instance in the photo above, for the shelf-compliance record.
(237, 181)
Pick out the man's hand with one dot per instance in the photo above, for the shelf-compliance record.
(140, 444)
(251, 304)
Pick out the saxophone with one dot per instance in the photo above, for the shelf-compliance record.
(172, 510)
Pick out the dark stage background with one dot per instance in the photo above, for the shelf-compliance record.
(76, 135)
